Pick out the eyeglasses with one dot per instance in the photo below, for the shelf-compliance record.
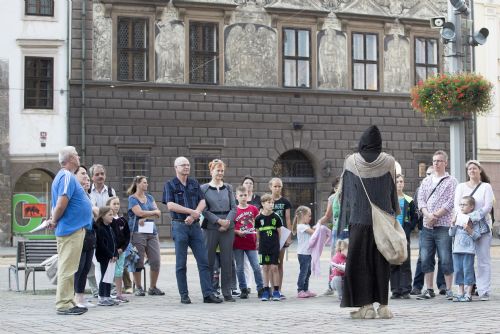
(183, 165)
(437, 161)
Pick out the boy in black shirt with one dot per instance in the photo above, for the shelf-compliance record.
(268, 225)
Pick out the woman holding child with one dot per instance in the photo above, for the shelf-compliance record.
(478, 186)
(218, 224)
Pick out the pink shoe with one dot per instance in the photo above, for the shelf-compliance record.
(302, 294)
(310, 294)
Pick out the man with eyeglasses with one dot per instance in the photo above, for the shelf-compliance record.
(418, 280)
(436, 201)
(185, 201)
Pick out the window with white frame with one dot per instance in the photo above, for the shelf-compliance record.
(365, 61)
(39, 7)
(296, 57)
(426, 58)
(38, 83)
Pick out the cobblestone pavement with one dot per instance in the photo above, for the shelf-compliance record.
(27, 313)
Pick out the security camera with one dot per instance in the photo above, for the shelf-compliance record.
(437, 22)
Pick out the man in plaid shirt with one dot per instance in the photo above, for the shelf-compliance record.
(435, 200)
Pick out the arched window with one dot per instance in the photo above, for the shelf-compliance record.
(299, 182)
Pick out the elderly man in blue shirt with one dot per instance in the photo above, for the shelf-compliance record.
(71, 212)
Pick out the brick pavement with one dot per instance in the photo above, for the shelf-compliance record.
(27, 313)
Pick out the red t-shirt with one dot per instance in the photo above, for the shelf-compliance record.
(244, 221)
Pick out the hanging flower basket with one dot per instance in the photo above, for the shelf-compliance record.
(455, 96)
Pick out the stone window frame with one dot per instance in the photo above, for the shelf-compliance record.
(134, 12)
(40, 48)
(131, 50)
(200, 167)
(377, 28)
(297, 58)
(302, 23)
(427, 66)
(214, 17)
(365, 61)
(217, 54)
(37, 79)
(38, 4)
(423, 32)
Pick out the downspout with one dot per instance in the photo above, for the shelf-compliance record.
(68, 65)
(473, 70)
(83, 59)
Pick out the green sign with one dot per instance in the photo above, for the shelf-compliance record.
(33, 222)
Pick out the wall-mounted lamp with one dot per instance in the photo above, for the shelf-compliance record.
(297, 125)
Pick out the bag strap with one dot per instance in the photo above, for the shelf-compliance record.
(433, 190)
(360, 179)
(472, 193)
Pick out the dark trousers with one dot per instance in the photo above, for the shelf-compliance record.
(83, 270)
(418, 280)
(224, 240)
(401, 276)
(104, 288)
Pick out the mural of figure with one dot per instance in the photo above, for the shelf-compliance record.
(250, 53)
(396, 64)
(169, 48)
(332, 59)
(101, 65)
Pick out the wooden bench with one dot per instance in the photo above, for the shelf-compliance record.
(30, 253)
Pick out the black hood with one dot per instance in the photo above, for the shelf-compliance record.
(370, 144)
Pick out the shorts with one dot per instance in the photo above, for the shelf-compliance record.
(266, 259)
(119, 265)
(147, 244)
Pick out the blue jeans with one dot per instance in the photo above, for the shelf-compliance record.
(190, 236)
(418, 280)
(464, 269)
(239, 257)
(305, 272)
(432, 240)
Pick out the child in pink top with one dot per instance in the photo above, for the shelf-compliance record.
(337, 268)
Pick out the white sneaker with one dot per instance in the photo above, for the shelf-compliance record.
(89, 304)
(484, 297)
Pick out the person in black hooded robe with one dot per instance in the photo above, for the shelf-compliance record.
(367, 272)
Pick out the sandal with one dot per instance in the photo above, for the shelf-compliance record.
(384, 312)
(364, 312)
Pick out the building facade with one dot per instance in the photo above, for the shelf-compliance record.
(487, 62)
(273, 88)
(33, 108)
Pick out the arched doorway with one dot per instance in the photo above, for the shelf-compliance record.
(31, 203)
(299, 182)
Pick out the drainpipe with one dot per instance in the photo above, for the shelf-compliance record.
(473, 70)
(83, 59)
(68, 64)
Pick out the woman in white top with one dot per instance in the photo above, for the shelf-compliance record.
(478, 186)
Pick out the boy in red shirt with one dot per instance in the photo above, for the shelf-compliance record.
(245, 241)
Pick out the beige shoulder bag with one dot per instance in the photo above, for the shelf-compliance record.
(389, 235)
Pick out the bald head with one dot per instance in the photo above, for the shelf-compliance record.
(182, 167)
